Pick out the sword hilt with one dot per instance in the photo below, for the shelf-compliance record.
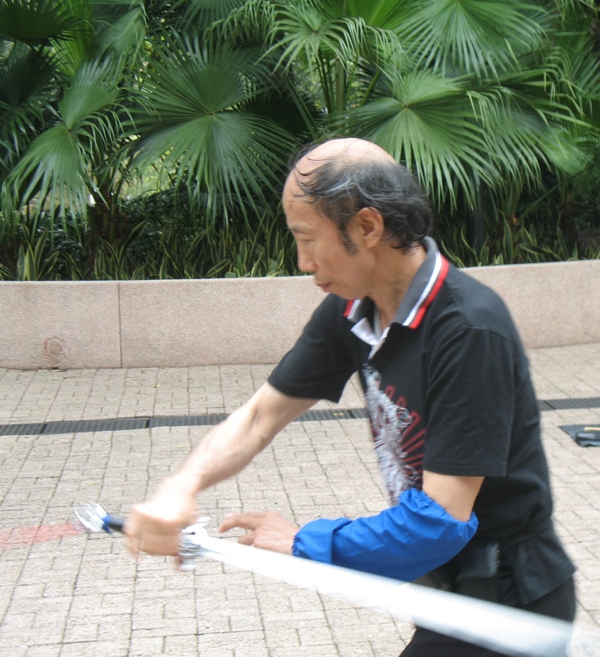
(95, 519)
(113, 523)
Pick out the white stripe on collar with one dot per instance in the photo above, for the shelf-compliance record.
(427, 289)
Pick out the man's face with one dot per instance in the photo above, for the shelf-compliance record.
(322, 252)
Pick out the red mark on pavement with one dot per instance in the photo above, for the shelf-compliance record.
(20, 536)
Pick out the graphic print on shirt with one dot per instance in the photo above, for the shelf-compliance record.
(389, 424)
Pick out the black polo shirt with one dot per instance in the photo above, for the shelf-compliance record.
(447, 389)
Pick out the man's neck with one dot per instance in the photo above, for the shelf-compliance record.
(398, 269)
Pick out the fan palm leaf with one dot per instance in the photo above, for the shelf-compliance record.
(472, 36)
(56, 170)
(320, 42)
(385, 14)
(345, 31)
(125, 32)
(310, 33)
(36, 22)
(533, 117)
(54, 167)
(197, 126)
(25, 93)
(428, 122)
(204, 13)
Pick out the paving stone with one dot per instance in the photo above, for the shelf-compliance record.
(83, 596)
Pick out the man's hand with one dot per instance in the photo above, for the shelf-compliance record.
(155, 526)
(266, 530)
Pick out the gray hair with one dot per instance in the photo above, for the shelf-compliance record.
(340, 188)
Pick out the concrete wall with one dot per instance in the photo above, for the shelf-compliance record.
(204, 322)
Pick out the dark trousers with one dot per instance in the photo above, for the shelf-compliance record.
(559, 603)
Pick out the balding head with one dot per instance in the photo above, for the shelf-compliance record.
(347, 151)
(342, 176)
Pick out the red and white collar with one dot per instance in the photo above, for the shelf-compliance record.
(422, 291)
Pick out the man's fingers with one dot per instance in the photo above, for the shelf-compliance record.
(268, 531)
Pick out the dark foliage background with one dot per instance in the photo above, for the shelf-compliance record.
(150, 138)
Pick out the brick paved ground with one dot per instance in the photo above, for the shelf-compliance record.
(83, 596)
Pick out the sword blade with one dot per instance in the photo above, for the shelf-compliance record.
(496, 627)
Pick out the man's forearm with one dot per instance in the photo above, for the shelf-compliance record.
(226, 450)
(154, 526)
(230, 446)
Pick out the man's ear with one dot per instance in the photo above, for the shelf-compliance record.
(370, 224)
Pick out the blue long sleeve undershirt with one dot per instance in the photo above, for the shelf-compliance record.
(403, 542)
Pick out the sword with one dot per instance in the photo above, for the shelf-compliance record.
(504, 629)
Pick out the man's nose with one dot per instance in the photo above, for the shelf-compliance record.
(305, 262)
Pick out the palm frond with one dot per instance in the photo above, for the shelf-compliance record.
(126, 33)
(310, 34)
(93, 89)
(35, 22)
(203, 13)
(26, 93)
(198, 127)
(55, 171)
(428, 122)
(472, 36)
(384, 14)
(249, 23)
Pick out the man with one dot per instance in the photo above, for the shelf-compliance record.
(453, 413)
